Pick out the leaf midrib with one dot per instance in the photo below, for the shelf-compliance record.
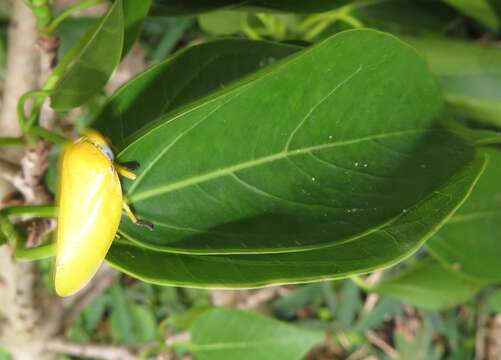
(260, 161)
(241, 344)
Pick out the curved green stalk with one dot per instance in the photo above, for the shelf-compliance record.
(71, 10)
(48, 135)
(31, 210)
(11, 141)
(35, 253)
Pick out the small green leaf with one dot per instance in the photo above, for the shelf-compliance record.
(387, 306)
(86, 68)
(429, 285)
(184, 7)
(222, 334)
(184, 320)
(121, 323)
(288, 306)
(495, 301)
(172, 83)
(471, 241)
(134, 13)
(94, 312)
(145, 325)
(480, 10)
(469, 73)
(130, 323)
(379, 249)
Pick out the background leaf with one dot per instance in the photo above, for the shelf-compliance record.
(429, 285)
(470, 75)
(380, 249)
(183, 7)
(479, 10)
(471, 242)
(248, 336)
(134, 13)
(86, 67)
(407, 16)
(172, 83)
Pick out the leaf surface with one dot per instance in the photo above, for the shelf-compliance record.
(183, 78)
(87, 66)
(429, 285)
(300, 155)
(247, 336)
(471, 242)
(470, 75)
(480, 10)
(380, 249)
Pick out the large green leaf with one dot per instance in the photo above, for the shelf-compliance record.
(248, 336)
(318, 149)
(471, 240)
(429, 285)
(173, 82)
(469, 73)
(184, 7)
(86, 67)
(480, 10)
(382, 248)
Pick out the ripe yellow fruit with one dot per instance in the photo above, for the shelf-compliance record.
(89, 209)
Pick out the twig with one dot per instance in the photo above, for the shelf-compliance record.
(359, 354)
(375, 340)
(495, 338)
(107, 352)
(372, 298)
(247, 299)
(480, 339)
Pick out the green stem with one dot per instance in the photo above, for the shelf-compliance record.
(35, 253)
(38, 95)
(48, 135)
(70, 10)
(9, 231)
(42, 10)
(362, 283)
(11, 141)
(30, 210)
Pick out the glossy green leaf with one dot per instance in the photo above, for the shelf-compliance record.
(429, 285)
(469, 73)
(86, 67)
(134, 13)
(382, 248)
(173, 83)
(480, 10)
(222, 334)
(471, 241)
(299, 156)
(406, 16)
(184, 7)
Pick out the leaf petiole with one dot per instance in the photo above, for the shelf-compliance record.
(30, 210)
(81, 5)
(35, 253)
